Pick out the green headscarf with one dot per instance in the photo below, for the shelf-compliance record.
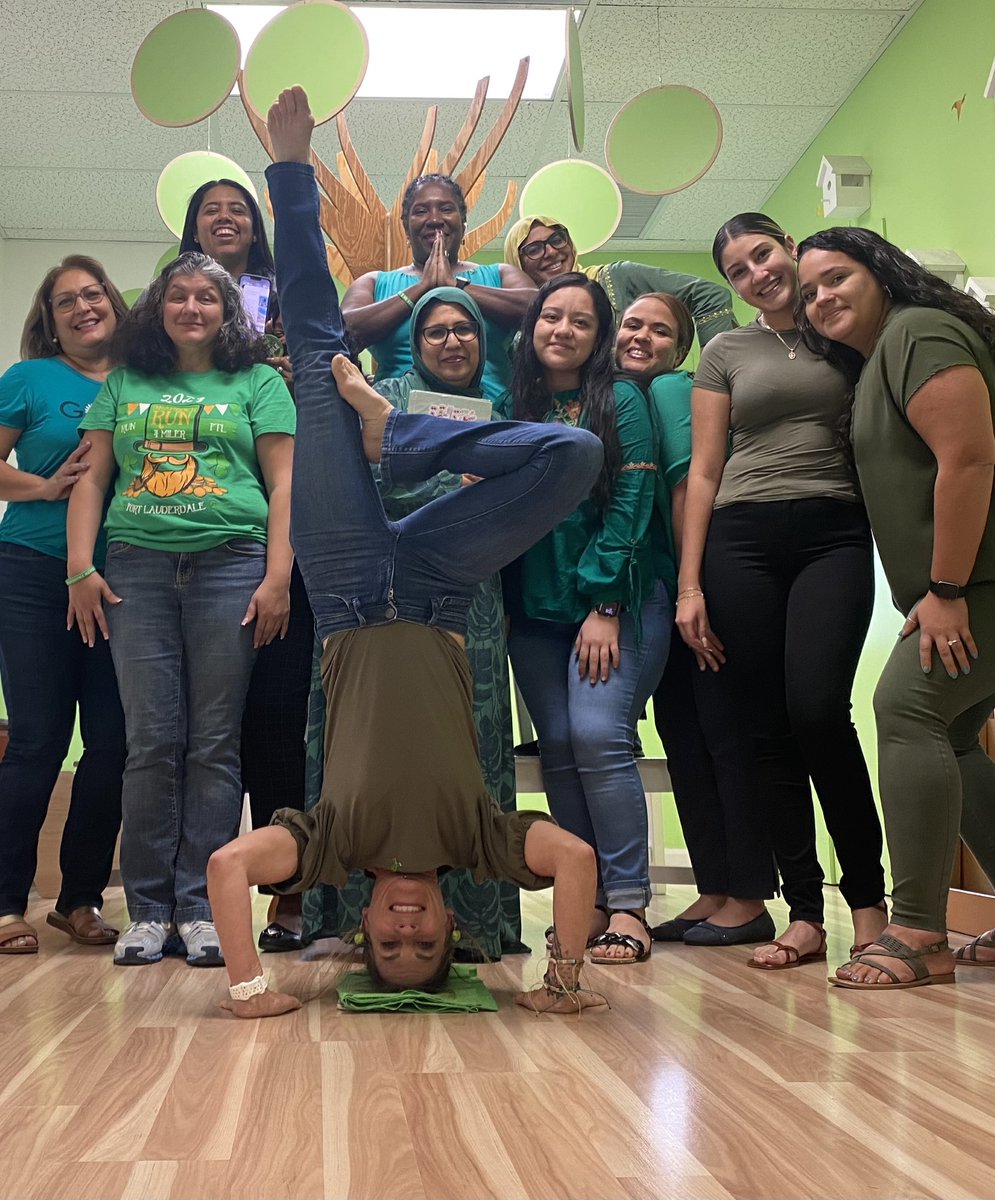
(421, 377)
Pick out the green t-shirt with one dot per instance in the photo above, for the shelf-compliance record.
(594, 557)
(786, 419)
(185, 445)
(897, 469)
(670, 412)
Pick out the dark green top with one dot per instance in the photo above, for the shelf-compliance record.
(897, 469)
(593, 557)
(710, 304)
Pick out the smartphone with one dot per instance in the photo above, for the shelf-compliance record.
(255, 300)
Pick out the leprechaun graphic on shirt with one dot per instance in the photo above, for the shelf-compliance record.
(185, 446)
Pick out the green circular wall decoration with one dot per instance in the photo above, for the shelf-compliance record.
(575, 82)
(185, 68)
(318, 44)
(581, 195)
(173, 251)
(184, 175)
(663, 140)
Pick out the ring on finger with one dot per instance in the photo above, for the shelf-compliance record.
(954, 642)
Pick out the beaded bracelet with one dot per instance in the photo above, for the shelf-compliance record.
(245, 991)
(82, 575)
(407, 299)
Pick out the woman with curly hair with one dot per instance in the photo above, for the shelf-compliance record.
(924, 445)
(590, 611)
(65, 358)
(195, 433)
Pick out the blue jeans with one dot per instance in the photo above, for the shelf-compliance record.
(586, 738)
(359, 567)
(183, 663)
(46, 671)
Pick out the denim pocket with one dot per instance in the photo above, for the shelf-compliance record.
(246, 547)
(120, 549)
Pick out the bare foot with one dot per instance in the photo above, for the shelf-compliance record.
(622, 924)
(290, 123)
(935, 962)
(268, 1004)
(807, 938)
(868, 924)
(373, 409)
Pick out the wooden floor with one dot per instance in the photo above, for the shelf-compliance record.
(706, 1081)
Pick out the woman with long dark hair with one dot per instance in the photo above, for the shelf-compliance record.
(590, 611)
(924, 445)
(776, 537)
(195, 433)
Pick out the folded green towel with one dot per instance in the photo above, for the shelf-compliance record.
(465, 993)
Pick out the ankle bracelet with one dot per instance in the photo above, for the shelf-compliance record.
(245, 991)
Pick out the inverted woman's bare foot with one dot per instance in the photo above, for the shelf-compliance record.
(290, 125)
(267, 1004)
(373, 409)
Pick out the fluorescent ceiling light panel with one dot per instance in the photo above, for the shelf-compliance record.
(441, 53)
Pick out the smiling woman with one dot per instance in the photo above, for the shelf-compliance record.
(194, 434)
(377, 307)
(46, 670)
(777, 539)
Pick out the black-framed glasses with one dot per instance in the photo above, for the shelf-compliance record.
(65, 302)
(438, 335)
(533, 250)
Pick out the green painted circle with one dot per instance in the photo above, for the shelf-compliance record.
(185, 68)
(184, 175)
(319, 45)
(173, 251)
(131, 295)
(581, 195)
(663, 140)
(575, 83)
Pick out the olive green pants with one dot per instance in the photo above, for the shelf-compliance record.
(931, 767)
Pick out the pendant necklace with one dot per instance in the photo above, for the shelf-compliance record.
(792, 350)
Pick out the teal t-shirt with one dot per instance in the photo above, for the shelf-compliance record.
(670, 412)
(188, 476)
(44, 398)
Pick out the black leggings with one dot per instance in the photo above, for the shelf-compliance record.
(790, 587)
(711, 769)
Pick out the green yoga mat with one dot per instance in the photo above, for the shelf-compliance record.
(465, 993)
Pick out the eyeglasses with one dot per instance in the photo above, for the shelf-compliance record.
(438, 335)
(65, 302)
(537, 249)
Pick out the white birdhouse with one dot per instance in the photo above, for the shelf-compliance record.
(950, 267)
(982, 289)
(845, 182)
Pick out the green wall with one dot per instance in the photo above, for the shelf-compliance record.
(932, 175)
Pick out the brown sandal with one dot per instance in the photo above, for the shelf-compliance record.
(967, 955)
(85, 926)
(799, 959)
(13, 927)
(911, 956)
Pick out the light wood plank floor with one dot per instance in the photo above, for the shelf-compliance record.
(706, 1081)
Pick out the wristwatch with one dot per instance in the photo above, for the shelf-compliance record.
(611, 609)
(946, 590)
(462, 282)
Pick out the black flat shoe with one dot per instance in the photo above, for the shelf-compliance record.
(760, 929)
(673, 930)
(278, 939)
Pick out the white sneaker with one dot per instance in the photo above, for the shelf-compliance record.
(142, 943)
(201, 940)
